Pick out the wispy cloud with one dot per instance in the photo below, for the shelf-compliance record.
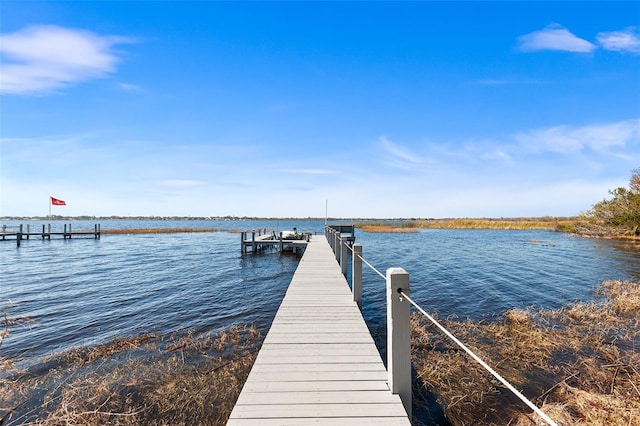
(626, 40)
(41, 59)
(127, 87)
(398, 156)
(567, 139)
(182, 183)
(554, 37)
(310, 171)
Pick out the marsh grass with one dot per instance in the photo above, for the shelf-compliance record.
(387, 228)
(581, 363)
(409, 226)
(544, 223)
(134, 231)
(178, 379)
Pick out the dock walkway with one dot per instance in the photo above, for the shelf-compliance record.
(318, 363)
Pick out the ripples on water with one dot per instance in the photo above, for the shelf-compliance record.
(84, 291)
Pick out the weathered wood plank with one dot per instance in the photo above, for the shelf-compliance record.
(334, 421)
(266, 411)
(315, 397)
(315, 386)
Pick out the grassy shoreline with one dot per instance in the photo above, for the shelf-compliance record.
(409, 226)
(148, 379)
(581, 362)
(134, 231)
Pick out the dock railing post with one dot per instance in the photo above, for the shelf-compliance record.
(356, 274)
(399, 336)
(343, 256)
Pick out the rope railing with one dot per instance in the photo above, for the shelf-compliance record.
(372, 267)
(486, 366)
(398, 342)
(364, 260)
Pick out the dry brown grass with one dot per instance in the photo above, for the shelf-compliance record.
(133, 231)
(389, 229)
(546, 223)
(177, 380)
(580, 363)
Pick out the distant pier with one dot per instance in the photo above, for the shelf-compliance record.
(22, 232)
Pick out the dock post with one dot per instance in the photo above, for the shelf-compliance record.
(242, 242)
(49, 229)
(253, 241)
(336, 245)
(281, 244)
(356, 274)
(69, 231)
(332, 239)
(19, 236)
(28, 230)
(343, 257)
(399, 336)
(43, 231)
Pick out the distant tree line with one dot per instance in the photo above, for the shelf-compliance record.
(619, 215)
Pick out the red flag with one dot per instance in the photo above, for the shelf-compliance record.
(57, 202)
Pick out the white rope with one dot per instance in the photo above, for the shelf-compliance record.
(484, 364)
(371, 266)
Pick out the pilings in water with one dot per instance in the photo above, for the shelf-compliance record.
(25, 233)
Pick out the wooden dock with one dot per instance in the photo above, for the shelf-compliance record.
(25, 233)
(318, 363)
(257, 241)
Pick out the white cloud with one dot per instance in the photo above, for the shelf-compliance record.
(620, 41)
(554, 38)
(567, 139)
(39, 59)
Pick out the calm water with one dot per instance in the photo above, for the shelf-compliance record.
(85, 291)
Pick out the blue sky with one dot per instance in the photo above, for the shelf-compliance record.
(385, 109)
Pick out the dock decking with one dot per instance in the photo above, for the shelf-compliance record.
(318, 363)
